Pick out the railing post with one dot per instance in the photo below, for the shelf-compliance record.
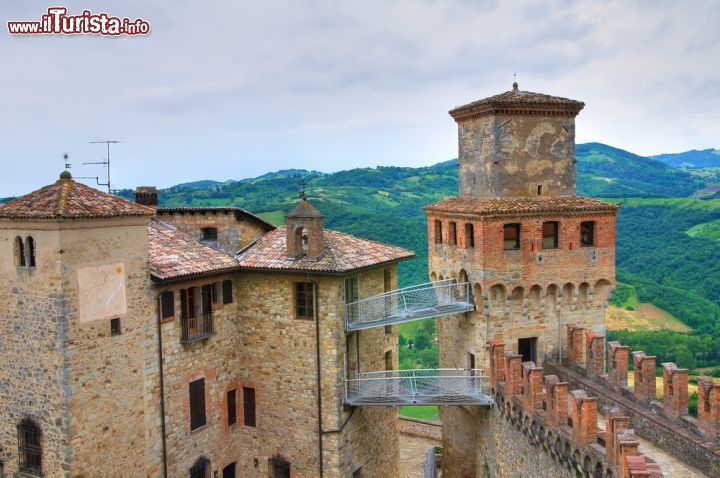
(405, 309)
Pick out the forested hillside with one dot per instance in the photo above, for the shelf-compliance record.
(663, 253)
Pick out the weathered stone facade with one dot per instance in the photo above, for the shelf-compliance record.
(80, 335)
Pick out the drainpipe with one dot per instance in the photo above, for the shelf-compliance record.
(319, 382)
(162, 387)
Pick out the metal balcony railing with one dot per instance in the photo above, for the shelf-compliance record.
(419, 387)
(422, 301)
(197, 328)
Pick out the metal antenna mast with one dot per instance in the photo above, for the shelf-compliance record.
(105, 163)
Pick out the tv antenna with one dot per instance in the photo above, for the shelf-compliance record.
(107, 142)
(66, 160)
(302, 191)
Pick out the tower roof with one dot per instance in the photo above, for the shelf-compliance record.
(517, 101)
(304, 209)
(67, 199)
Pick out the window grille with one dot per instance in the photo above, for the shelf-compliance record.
(201, 468)
(304, 300)
(280, 468)
(196, 324)
(29, 448)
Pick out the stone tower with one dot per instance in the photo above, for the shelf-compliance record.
(538, 256)
(76, 306)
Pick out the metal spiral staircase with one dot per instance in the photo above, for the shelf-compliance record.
(414, 387)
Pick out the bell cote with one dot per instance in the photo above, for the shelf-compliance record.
(304, 227)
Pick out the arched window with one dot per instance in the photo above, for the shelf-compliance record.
(19, 253)
(29, 448)
(30, 250)
(201, 468)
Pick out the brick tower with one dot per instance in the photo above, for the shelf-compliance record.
(538, 256)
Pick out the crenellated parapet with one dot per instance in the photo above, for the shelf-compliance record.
(564, 422)
(660, 406)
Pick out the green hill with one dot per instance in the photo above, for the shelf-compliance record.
(705, 158)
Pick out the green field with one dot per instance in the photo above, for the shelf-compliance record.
(423, 412)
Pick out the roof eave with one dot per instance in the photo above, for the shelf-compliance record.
(325, 272)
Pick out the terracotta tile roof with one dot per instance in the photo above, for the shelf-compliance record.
(239, 212)
(516, 99)
(490, 207)
(304, 209)
(343, 253)
(175, 254)
(67, 199)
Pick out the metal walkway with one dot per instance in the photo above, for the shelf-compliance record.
(422, 301)
(419, 387)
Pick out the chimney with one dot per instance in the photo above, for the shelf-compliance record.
(304, 231)
(146, 195)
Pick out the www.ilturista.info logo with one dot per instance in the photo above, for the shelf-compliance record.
(58, 22)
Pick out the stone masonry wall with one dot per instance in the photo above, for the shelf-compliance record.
(512, 155)
(111, 417)
(34, 375)
(233, 232)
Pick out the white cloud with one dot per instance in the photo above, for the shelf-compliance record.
(225, 89)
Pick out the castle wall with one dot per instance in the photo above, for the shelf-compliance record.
(234, 232)
(112, 420)
(511, 155)
(34, 374)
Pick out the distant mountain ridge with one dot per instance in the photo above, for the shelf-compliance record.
(704, 158)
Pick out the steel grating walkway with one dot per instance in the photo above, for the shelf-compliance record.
(419, 387)
(422, 301)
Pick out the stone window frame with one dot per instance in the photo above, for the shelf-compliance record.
(249, 400)
(201, 398)
(24, 252)
(231, 406)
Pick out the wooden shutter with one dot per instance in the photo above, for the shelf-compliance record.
(232, 407)
(227, 291)
(197, 404)
(183, 304)
(167, 300)
(249, 406)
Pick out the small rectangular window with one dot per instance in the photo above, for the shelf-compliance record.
(452, 234)
(167, 304)
(115, 327)
(209, 234)
(197, 404)
(587, 233)
(304, 301)
(217, 292)
(550, 235)
(232, 407)
(351, 290)
(249, 415)
(511, 237)
(388, 329)
(438, 231)
(469, 236)
(539, 190)
(227, 291)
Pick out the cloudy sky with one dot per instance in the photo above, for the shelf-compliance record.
(232, 89)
